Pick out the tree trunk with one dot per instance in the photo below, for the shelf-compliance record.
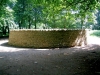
(20, 24)
(35, 23)
(4, 30)
(82, 23)
(35, 18)
(29, 23)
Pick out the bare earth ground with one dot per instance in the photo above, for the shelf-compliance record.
(59, 61)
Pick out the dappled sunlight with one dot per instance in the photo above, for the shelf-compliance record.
(91, 47)
(12, 49)
(93, 43)
(92, 39)
(81, 39)
(3, 41)
(8, 49)
(4, 47)
(74, 49)
(42, 49)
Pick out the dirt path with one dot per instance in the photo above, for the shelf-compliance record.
(63, 61)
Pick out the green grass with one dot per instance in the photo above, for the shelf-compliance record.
(95, 33)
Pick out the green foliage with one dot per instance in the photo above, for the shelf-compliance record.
(95, 33)
(48, 13)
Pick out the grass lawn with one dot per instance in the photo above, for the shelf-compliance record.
(95, 33)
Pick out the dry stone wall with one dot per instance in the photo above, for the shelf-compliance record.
(47, 38)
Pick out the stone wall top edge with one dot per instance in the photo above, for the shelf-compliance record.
(44, 29)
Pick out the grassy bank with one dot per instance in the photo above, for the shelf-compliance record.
(95, 33)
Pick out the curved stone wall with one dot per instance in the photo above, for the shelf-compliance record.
(47, 38)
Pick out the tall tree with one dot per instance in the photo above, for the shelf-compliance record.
(30, 13)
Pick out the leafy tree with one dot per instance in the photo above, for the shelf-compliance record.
(3, 16)
(47, 13)
(83, 8)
